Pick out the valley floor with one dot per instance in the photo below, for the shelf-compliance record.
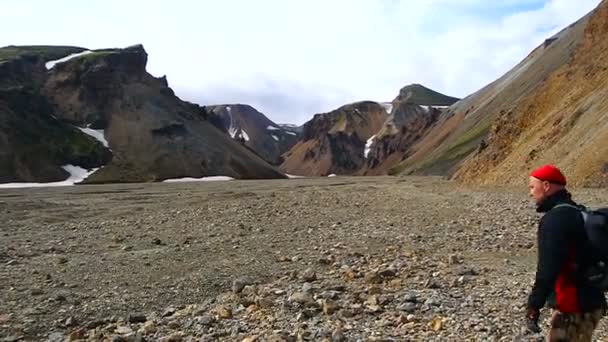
(368, 258)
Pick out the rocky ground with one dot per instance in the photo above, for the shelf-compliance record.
(328, 259)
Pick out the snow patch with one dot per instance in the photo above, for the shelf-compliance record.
(202, 179)
(428, 108)
(388, 107)
(332, 175)
(77, 175)
(232, 131)
(274, 137)
(368, 145)
(98, 134)
(291, 133)
(272, 128)
(244, 135)
(293, 176)
(51, 64)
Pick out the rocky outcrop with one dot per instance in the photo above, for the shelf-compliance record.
(334, 142)
(34, 145)
(418, 94)
(412, 113)
(404, 127)
(253, 129)
(152, 135)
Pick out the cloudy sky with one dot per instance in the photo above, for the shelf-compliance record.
(293, 58)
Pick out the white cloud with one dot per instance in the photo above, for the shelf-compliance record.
(292, 58)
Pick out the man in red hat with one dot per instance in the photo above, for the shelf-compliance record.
(562, 243)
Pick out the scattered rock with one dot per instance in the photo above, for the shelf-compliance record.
(239, 284)
(136, 318)
(309, 275)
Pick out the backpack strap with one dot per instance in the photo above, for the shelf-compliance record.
(583, 211)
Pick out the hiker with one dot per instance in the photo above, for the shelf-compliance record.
(577, 306)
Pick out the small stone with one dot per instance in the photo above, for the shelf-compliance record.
(70, 322)
(62, 260)
(239, 284)
(467, 271)
(411, 298)
(206, 320)
(123, 330)
(11, 262)
(337, 335)
(136, 318)
(264, 303)
(12, 338)
(55, 337)
(36, 292)
(411, 318)
(330, 307)
(168, 312)
(309, 275)
(149, 328)
(372, 277)
(77, 334)
(95, 324)
(325, 260)
(301, 298)
(436, 324)
(407, 307)
(454, 259)
(127, 248)
(307, 288)
(388, 273)
(374, 290)
(223, 312)
(156, 241)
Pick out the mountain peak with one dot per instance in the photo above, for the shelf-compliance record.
(420, 95)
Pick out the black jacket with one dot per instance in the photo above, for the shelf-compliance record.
(562, 252)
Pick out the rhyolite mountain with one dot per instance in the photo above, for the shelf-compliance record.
(550, 108)
(252, 128)
(365, 138)
(152, 135)
(334, 142)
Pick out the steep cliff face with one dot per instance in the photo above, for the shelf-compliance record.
(463, 128)
(34, 145)
(334, 142)
(153, 135)
(252, 128)
(150, 134)
(407, 124)
(563, 120)
(412, 113)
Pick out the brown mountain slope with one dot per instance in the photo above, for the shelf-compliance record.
(334, 142)
(462, 128)
(153, 135)
(244, 123)
(412, 113)
(405, 126)
(563, 121)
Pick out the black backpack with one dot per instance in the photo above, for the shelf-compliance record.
(596, 227)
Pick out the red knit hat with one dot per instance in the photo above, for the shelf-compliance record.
(550, 174)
